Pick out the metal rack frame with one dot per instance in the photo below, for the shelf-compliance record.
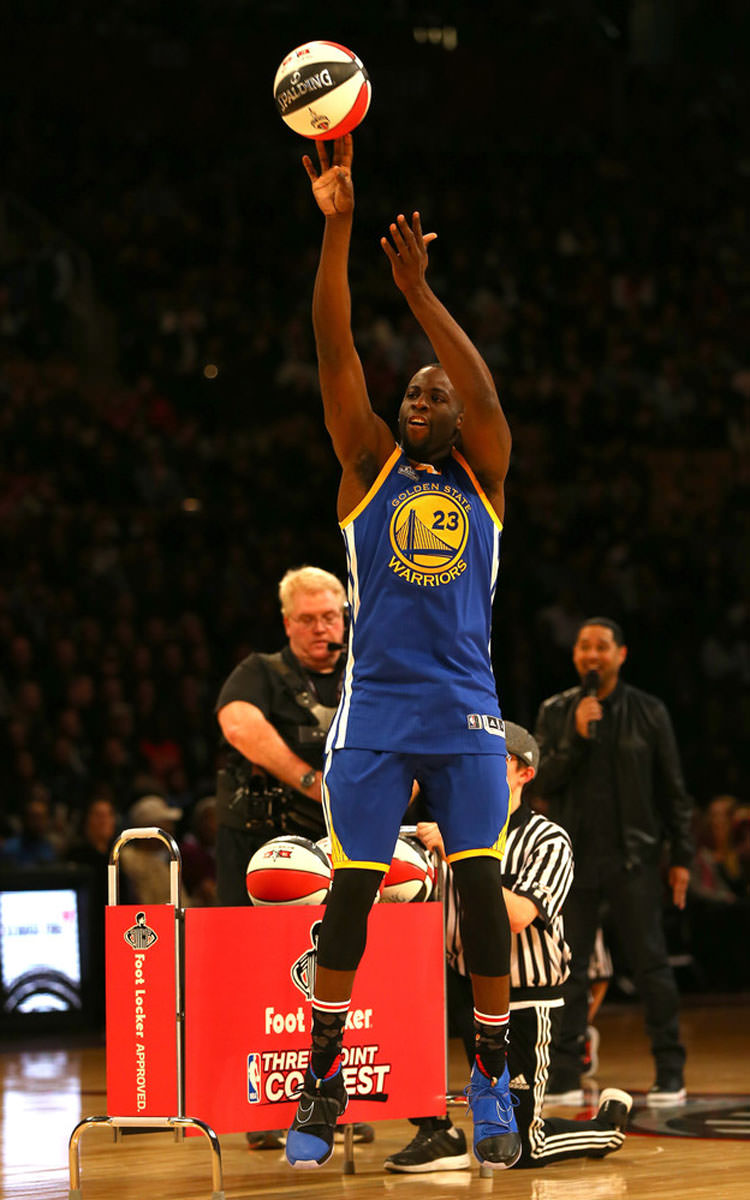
(179, 1122)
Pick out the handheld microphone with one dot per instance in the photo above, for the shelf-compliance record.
(590, 685)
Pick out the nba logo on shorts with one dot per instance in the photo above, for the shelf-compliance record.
(253, 1079)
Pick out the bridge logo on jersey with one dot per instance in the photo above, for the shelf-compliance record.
(428, 534)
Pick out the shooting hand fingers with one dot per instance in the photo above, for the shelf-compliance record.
(322, 156)
(343, 151)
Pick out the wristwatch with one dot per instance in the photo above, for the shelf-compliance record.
(307, 780)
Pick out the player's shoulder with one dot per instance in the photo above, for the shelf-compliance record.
(471, 471)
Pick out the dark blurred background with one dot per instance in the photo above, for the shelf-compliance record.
(164, 460)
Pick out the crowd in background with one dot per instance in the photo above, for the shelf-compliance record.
(149, 504)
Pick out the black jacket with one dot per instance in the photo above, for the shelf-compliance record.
(653, 804)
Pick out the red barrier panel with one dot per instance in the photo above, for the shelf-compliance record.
(141, 1011)
(248, 985)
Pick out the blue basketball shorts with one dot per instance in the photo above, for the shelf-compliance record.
(366, 794)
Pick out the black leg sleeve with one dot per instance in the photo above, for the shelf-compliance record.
(343, 934)
(485, 929)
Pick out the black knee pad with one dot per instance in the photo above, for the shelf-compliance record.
(343, 935)
(485, 930)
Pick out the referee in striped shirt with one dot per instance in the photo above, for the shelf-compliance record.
(537, 871)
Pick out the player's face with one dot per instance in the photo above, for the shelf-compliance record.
(597, 650)
(430, 416)
(316, 620)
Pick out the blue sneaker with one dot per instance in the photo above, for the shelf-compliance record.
(496, 1138)
(309, 1142)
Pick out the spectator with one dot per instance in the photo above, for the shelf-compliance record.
(33, 846)
(91, 850)
(198, 849)
(145, 861)
(719, 896)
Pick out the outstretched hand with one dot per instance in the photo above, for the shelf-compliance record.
(332, 186)
(408, 254)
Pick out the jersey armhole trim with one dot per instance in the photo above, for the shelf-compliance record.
(480, 490)
(375, 487)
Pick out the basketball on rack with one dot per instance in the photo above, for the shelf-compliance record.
(288, 870)
(324, 844)
(411, 875)
(322, 90)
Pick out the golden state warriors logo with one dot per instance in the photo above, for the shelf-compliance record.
(428, 533)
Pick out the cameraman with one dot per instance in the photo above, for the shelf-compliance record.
(274, 711)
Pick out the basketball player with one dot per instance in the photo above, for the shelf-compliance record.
(421, 521)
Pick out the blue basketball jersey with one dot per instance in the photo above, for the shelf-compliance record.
(423, 551)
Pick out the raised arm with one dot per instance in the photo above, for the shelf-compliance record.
(361, 439)
(485, 436)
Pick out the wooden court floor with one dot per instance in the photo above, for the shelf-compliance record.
(48, 1087)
